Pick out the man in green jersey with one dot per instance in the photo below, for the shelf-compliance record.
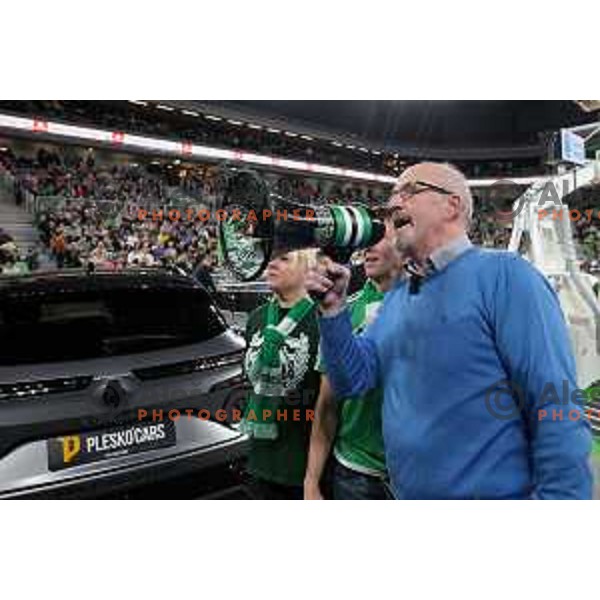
(354, 428)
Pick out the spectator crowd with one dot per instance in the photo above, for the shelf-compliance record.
(50, 174)
(86, 213)
(86, 216)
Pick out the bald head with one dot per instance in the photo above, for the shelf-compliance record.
(431, 205)
(445, 176)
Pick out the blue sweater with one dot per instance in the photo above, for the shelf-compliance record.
(486, 317)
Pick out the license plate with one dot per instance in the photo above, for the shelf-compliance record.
(73, 450)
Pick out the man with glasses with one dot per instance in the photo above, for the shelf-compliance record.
(468, 353)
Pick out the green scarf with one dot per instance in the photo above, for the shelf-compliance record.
(265, 373)
(368, 295)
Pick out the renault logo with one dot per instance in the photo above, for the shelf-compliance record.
(113, 394)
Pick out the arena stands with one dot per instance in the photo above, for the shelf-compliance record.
(153, 119)
(86, 215)
(586, 229)
(79, 235)
(86, 212)
(487, 230)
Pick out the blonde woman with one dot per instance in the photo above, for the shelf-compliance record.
(283, 340)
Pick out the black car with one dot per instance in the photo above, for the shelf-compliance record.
(112, 381)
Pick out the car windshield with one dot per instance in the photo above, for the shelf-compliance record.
(59, 326)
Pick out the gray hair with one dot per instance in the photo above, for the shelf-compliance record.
(459, 184)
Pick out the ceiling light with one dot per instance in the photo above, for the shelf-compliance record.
(351, 147)
(138, 102)
(338, 144)
(362, 149)
(212, 118)
(191, 113)
(291, 134)
(271, 130)
(234, 122)
(307, 137)
(376, 152)
(252, 126)
(164, 107)
(74, 133)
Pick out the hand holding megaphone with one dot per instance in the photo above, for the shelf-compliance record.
(328, 284)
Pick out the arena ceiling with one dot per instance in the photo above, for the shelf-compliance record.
(425, 125)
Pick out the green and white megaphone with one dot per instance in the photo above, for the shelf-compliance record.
(255, 225)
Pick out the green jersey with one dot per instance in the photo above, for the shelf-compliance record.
(283, 460)
(359, 439)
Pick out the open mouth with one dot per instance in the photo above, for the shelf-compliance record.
(400, 220)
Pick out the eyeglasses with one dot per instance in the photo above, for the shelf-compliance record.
(393, 214)
(414, 188)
